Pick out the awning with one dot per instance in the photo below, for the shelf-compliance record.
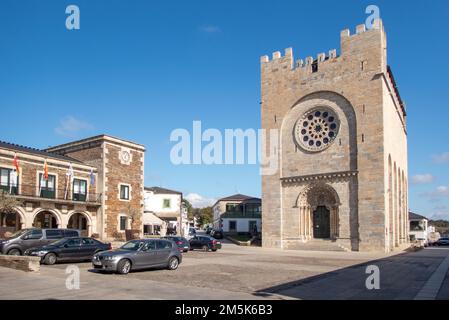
(150, 219)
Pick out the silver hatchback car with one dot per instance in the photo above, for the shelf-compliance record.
(138, 255)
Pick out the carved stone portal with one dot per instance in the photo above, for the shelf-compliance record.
(310, 202)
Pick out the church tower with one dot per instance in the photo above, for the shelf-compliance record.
(342, 178)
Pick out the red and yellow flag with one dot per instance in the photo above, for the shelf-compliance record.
(45, 171)
(16, 163)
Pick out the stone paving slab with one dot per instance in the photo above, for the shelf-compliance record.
(238, 273)
(401, 277)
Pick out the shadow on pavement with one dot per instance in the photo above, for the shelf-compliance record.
(401, 277)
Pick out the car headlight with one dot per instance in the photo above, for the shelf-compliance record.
(109, 258)
(42, 253)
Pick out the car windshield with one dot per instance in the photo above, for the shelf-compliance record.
(134, 245)
(18, 234)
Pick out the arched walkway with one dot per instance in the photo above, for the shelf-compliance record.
(11, 221)
(318, 212)
(46, 219)
(80, 221)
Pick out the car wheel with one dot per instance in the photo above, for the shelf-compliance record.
(14, 252)
(50, 259)
(205, 248)
(173, 263)
(124, 266)
(214, 250)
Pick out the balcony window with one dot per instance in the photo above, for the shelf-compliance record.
(234, 207)
(47, 188)
(79, 190)
(7, 183)
(253, 208)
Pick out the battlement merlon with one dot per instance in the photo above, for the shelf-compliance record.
(349, 44)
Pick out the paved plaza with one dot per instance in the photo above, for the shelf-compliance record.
(247, 273)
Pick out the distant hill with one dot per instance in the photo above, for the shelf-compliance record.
(441, 226)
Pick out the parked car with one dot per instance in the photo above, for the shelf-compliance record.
(208, 230)
(32, 238)
(68, 249)
(182, 243)
(204, 243)
(442, 242)
(217, 234)
(138, 255)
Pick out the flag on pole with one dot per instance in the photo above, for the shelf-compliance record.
(92, 178)
(16, 163)
(69, 179)
(45, 176)
(92, 182)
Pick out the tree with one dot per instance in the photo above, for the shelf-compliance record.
(190, 213)
(204, 215)
(7, 203)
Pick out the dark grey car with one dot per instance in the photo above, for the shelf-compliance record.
(25, 239)
(138, 255)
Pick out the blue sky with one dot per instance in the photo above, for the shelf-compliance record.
(139, 69)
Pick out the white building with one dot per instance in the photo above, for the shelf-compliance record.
(419, 229)
(164, 212)
(238, 214)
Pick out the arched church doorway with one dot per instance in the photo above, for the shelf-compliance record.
(318, 212)
(321, 223)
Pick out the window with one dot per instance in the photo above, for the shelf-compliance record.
(71, 233)
(79, 190)
(233, 207)
(124, 192)
(33, 235)
(166, 204)
(47, 188)
(232, 226)
(54, 234)
(416, 226)
(88, 242)
(149, 246)
(163, 245)
(317, 129)
(73, 243)
(253, 208)
(9, 181)
(252, 226)
(123, 223)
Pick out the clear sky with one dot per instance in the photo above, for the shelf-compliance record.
(139, 69)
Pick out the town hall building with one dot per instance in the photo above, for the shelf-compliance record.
(95, 185)
(342, 178)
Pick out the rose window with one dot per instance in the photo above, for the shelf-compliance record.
(317, 129)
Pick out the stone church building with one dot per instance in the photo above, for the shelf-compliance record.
(342, 178)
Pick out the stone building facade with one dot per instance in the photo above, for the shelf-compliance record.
(342, 174)
(111, 172)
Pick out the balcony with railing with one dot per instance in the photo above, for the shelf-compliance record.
(241, 215)
(36, 192)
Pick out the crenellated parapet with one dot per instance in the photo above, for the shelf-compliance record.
(358, 46)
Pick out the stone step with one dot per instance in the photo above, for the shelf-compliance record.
(316, 245)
